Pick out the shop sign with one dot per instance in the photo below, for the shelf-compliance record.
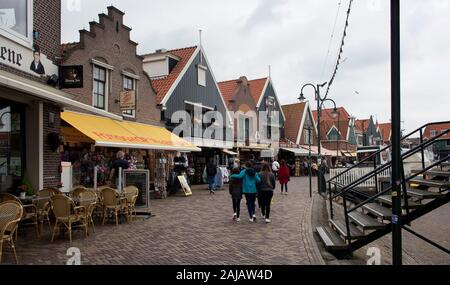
(25, 59)
(127, 100)
(140, 179)
(71, 76)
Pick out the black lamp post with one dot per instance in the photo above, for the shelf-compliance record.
(320, 102)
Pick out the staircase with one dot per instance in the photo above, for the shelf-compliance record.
(357, 218)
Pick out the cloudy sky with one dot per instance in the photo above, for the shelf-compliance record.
(245, 37)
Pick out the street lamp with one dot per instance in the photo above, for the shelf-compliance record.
(320, 102)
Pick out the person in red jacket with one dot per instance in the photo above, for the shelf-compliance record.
(284, 176)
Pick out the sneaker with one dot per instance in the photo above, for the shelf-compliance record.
(263, 216)
(251, 220)
(267, 221)
(238, 219)
(254, 217)
(234, 217)
(286, 193)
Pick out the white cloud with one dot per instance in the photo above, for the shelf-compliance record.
(244, 37)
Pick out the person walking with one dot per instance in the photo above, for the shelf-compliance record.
(211, 172)
(250, 179)
(284, 176)
(265, 192)
(275, 167)
(236, 195)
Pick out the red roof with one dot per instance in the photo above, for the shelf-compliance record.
(362, 125)
(257, 87)
(327, 114)
(385, 130)
(295, 114)
(438, 129)
(163, 85)
(228, 89)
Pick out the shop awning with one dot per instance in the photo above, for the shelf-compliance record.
(299, 151)
(107, 132)
(229, 152)
(324, 151)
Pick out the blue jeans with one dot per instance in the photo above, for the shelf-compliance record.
(211, 180)
(251, 206)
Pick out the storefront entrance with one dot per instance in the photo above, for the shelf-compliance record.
(12, 145)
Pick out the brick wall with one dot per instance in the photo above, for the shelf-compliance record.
(52, 159)
(109, 41)
(47, 21)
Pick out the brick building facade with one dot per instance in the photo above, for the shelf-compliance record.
(107, 44)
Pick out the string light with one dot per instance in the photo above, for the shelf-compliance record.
(341, 49)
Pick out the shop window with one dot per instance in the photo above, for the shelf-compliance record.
(129, 84)
(308, 137)
(16, 20)
(12, 146)
(100, 86)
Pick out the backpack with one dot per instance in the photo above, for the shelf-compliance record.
(211, 170)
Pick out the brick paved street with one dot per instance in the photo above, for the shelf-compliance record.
(194, 230)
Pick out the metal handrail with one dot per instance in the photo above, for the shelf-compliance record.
(387, 165)
(389, 146)
(390, 188)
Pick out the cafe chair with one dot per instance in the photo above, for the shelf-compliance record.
(113, 203)
(67, 214)
(44, 206)
(132, 193)
(29, 214)
(88, 200)
(76, 191)
(10, 215)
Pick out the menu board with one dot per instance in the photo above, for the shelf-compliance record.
(185, 186)
(140, 179)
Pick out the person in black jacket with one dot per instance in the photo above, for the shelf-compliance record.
(266, 188)
(236, 194)
(211, 172)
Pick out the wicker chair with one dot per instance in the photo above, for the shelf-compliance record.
(43, 206)
(76, 191)
(10, 215)
(89, 202)
(67, 213)
(112, 202)
(29, 214)
(132, 193)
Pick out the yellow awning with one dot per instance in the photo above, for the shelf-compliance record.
(122, 134)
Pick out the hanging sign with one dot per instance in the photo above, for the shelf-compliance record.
(127, 100)
(71, 76)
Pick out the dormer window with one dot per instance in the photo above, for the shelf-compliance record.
(201, 71)
(160, 64)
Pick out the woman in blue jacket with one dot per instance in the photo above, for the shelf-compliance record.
(250, 179)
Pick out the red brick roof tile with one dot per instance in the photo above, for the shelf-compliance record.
(163, 85)
(439, 129)
(295, 114)
(385, 130)
(228, 89)
(257, 88)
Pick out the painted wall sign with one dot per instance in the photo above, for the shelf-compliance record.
(127, 100)
(71, 76)
(27, 60)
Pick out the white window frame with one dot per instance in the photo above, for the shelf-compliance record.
(201, 68)
(106, 86)
(134, 78)
(433, 133)
(26, 41)
(307, 135)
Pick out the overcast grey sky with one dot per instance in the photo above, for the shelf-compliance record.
(245, 37)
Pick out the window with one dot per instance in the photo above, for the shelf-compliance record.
(448, 143)
(16, 20)
(360, 140)
(201, 75)
(433, 133)
(100, 87)
(308, 138)
(129, 84)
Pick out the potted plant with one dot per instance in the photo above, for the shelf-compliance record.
(23, 191)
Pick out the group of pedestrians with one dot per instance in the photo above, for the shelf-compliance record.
(256, 184)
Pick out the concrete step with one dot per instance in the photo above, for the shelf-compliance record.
(387, 199)
(431, 183)
(341, 229)
(423, 194)
(331, 239)
(365, 222)
(378, 210)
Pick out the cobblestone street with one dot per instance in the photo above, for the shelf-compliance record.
(197, 230)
